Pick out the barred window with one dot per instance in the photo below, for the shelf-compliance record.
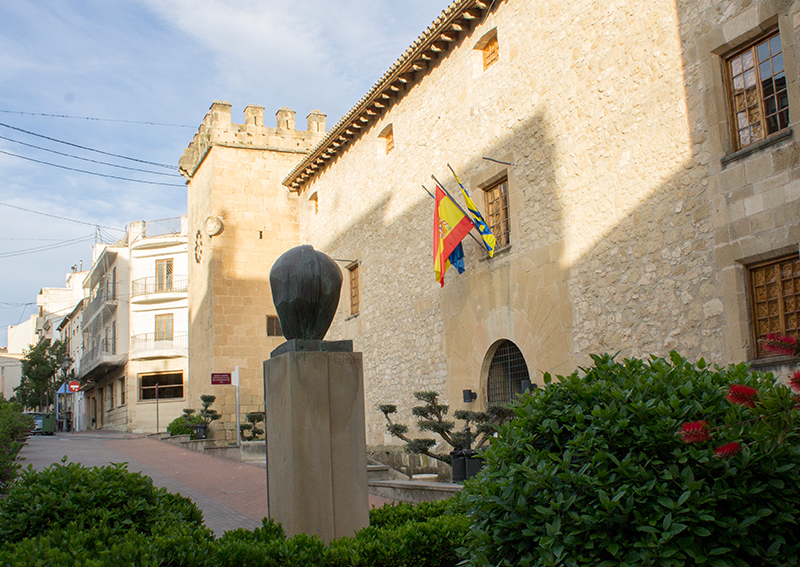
(274, 326)
(497, 212)
(169, 385)
(164, 275)
(757, 90)
(506, 373)
(164, 327)
(775, 300)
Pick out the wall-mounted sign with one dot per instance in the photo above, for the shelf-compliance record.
(220, 378)
(74, 386)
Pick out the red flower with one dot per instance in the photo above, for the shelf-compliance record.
(781, 345)
(742, 395)
(727, 450)
(695, 432)
(794, 381)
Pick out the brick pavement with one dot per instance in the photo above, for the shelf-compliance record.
(231, 495)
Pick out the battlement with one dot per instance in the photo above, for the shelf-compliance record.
(217, 129)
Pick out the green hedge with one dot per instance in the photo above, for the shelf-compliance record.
(13, 428)
(592, 473)
(107, 516)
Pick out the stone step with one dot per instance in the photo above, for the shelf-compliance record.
(378, 472)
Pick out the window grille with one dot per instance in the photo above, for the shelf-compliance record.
(757, 90)
(506, 373)
(775, 300)
(164, 275)
(169, 386)
(274, 326)
(497, 212)
(164, 327)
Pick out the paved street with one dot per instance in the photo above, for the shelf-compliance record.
(231, 495)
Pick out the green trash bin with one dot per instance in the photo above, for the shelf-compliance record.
(48, 423)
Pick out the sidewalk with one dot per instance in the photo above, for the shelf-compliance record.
(231, 495)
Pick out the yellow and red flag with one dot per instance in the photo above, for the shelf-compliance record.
(450, 226)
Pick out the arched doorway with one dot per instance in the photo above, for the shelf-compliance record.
(507, 371)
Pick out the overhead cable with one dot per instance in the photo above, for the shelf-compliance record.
(46, 248)
(92, 172)
(85, 148)
(96, 119)
(60, 218)
(90, 160)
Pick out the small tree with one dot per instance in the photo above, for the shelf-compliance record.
(206, 413)
(432, 416)
(250, 430)
(40, 373)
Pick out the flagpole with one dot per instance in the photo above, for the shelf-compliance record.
(489, 251)
(475, 238)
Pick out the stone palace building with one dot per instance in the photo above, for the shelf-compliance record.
(635, 160)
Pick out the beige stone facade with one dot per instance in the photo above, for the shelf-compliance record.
(633, 219)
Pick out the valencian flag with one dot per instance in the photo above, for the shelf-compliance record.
(480, 224)
(450, 226)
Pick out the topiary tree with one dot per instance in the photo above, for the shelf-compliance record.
(250, 430)
(592, 473)
(206, 413)
(432, 416)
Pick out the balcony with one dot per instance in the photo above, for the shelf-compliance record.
(159, 234)
(148, 346)
(105, 298)
(100, 359)
(159, 290)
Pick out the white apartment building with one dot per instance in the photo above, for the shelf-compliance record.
(134, 330)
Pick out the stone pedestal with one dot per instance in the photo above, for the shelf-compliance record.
(316, 443)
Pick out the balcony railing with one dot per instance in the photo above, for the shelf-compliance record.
(95, 356)
(103, 296)
(162, 227)
(149, 341)
(153, 284)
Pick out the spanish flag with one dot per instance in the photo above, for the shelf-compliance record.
(450, 226)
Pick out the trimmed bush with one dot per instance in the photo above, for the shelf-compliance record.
(592, 473)
(184, 424)
(14, 425)
(62, 494)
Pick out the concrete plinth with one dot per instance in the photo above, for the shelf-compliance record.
(316, 443)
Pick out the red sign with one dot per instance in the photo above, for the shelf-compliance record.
(221, 378)
(74, 386)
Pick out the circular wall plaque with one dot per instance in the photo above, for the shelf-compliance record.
(213, 226)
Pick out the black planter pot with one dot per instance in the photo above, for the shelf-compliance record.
(459, 465)
(473, 465)
(200, 431)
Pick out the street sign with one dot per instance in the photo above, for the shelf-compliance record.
(221, 378)
(74, 386)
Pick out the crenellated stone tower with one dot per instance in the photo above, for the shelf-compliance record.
(240, 220)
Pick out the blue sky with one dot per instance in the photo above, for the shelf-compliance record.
(162, 62)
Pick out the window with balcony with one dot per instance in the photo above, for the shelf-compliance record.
(164, 275)
(164, 386)
(756, 83)
(164, 327)
(775, 300)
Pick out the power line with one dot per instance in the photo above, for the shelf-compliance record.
(60, 218)
(89, 160)
(91, 172)
(46, 248)
(96, 119)
(85, 148)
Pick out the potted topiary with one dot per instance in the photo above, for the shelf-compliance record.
(207, 415)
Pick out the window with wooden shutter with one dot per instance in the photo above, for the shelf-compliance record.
(775, 300)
